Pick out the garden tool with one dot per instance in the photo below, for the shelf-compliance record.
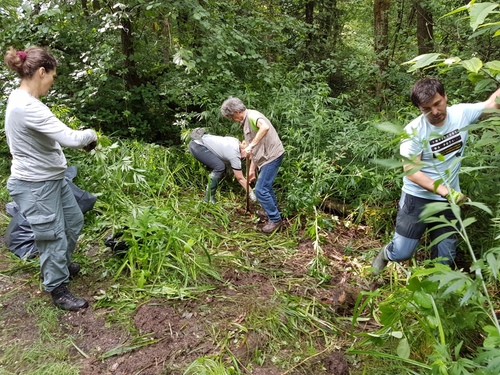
(248, 185)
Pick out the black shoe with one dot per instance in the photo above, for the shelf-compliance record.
(74, 269)
(63, 299)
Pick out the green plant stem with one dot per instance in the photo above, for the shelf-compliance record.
(440, 325)
(392, 357)
(479, 274)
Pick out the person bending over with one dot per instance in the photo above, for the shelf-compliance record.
(215, 152)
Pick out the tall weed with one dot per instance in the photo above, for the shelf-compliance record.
(443, 320)
(141, 187)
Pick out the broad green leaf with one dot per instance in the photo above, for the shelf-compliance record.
(469, 293)
(422, 299)
(388, 163)
(491, 342)
(422, 61)
(467, 170)
(458, 350)
(396, 334)
(479, 12)
(403, 349)
(437, 269)
(414, 167)
(479, 32)
(439, 156)
(483, 84)
(414, 284)
(432, 321)
(441, 237)
(472, 65)
(452, 60)
(493, 65)
(388, 314)
(378, 335)
(478, 125)
(458, 10)
(493, 263)
(454, 279)
(389, 127)
(493, 339)
(433, 208)
(492, 331)
(481, 206)
(456, 210)
(491, 356)
(468, 221)
(456, 286)
(475, 77)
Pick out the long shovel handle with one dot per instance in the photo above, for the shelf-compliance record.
(248, 185)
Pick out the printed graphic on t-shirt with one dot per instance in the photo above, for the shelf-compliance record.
(447, 144)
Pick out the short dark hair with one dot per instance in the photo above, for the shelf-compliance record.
(424, 90)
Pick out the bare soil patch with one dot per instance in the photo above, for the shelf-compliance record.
(175, 333)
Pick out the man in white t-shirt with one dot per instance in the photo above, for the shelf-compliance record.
(432, 150)
(215, 152)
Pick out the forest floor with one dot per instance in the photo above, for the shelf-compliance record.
(175, 333)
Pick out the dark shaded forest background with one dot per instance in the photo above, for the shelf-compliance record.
(143, 69)
(325, 72)
(334, 78)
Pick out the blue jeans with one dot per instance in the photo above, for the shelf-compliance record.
(51, 209)
(409, 229)
(264, 189)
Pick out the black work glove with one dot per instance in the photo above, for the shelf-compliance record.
(90, 146)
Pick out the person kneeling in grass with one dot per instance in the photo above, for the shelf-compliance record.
(433, 144)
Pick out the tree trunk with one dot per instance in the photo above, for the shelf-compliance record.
(425, 31)
(399, 26)
(168, 36)
(331, 23)
(381, 41)
(309, 15)
(85, 7)
(131, 78)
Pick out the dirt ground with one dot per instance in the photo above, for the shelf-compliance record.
(183, 330)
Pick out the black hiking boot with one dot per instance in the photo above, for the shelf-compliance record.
(63, 299)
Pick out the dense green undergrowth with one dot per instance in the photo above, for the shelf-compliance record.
(341, 168)
(432, 319)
